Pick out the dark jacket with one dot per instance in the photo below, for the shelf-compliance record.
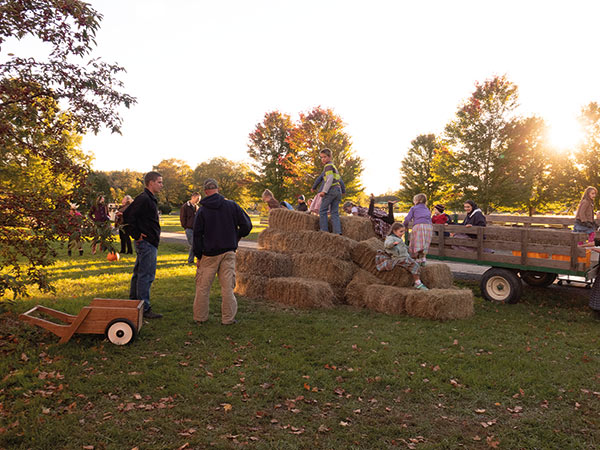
(219, 225)
(142, 218)
(187, 213)
(475, 218)
(302, 207)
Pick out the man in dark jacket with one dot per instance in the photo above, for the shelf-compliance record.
(141, 223)
(218, 227)
(187, 213)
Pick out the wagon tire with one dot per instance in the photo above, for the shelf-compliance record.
(501, 286)
(538, 279)
(121, 331)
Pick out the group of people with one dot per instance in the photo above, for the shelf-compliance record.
(585, 223)
(213, 226)
(395, 252)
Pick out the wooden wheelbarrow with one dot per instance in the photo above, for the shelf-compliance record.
(119, 320)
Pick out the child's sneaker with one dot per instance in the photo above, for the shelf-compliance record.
(421, 286)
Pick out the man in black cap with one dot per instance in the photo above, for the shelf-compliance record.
(218, 227)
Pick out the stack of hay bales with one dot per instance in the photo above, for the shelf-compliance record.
(302, 267)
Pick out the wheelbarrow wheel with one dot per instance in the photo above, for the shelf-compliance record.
(121, 332)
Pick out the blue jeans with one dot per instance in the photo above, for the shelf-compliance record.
(578, 228)
(189, 234)
(144, 272)
(332, 199)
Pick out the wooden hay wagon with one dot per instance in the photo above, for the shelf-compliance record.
(119, 320)
(531, 250)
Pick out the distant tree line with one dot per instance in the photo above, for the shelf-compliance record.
(502, 161)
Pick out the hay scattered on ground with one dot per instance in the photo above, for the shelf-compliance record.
(440, 304)
(263, 263)
(252, 286)
(364, 256)
(387, 299)
(357, 228)
(300, 292)
(288, 220)
(304, 241)
(355, 291)
(437, 275)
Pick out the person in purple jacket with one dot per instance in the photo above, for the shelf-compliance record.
(422, 229)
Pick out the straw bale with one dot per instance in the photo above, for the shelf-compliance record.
(440, 304)
(307, 242)
(252, 286)
(263, 263)
(288, 220)
(322, 267)
(355, 291)
(387, 299)
(357, 228)
(300, 292)
(436, 275)
(364, 256)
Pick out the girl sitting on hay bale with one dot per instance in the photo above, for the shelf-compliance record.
(396, 254)
(380, 219)
(271, 201)
(422, 229)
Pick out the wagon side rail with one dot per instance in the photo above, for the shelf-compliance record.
(65, 332)
(542, 250)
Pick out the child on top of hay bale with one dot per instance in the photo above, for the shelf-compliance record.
(396, 254)
(380, 219)
(272, 202)
(422, 229)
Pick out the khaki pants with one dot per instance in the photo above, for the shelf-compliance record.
(208, 267)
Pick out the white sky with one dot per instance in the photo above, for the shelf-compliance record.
(206, 72)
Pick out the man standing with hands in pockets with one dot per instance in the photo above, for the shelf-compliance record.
(219, 225)
(142, 224)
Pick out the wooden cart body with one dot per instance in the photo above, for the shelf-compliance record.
(530, 249)
(93, 319)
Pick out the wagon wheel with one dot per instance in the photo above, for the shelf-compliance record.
(501, 285)
(121, 332)
(538, 279)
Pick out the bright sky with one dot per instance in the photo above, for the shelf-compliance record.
(206, 72)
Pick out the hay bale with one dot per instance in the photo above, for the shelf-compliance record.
(307, 242)
(364, 256)
(287, 220)
(357, 228)
(387, 299)
(355, 291)
(300, 292)
(252, 286)
(263, 263)
(322, 267)
(440, 304)
(436, 276)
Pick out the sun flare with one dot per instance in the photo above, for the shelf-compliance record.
(564, 134)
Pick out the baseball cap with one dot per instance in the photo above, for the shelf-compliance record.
(210, 183)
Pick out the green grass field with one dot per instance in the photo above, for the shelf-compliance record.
(513, 376)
